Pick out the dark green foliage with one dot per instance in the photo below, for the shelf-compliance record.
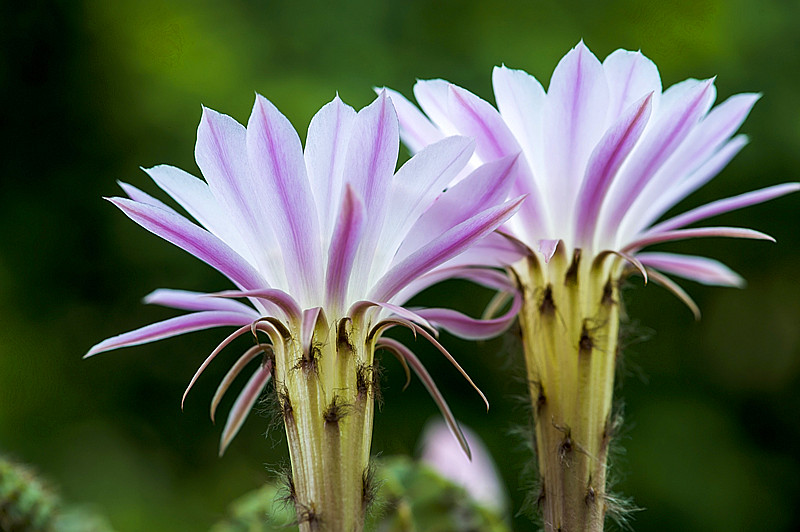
(414, 497)
(410, 497)
(30, 504)
(26, 503)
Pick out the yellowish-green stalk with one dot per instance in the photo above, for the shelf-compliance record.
(570, 328)
(326, 392)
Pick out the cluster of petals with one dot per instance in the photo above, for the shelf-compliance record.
(605, 154)
(330, 228)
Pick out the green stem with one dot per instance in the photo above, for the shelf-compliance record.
(570, 327)
(326, 393)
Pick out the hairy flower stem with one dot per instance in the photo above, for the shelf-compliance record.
(326, 392)
(570, 326)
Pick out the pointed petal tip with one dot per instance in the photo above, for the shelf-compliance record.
(207, 115)
(677, 291)
(148, 299)
(466, 449)
(97, 349)
(259, 100)
(547, 247)
(756, 235)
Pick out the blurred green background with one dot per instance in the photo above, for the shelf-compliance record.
(93, 89)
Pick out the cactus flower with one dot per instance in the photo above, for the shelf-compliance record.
(478, 476)
(324, 246)
(604, 153)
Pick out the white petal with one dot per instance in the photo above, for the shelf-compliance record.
(416, 130)
(575, 117)
(702, 143)
(700, 269)
(432, 96)
(221, 154)
(326, 147)
(194, 195)
(277, 165)
(418, 183)
(631, 76)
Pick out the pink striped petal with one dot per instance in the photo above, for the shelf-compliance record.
(701, 145)
(711, 133)
(405, 354)
(221, 154)
(700, 269)
(676, 193)
(520, 98)
(474, 261)
(496, 250)
(487, 277)
(470, 328)
(359, 307)
(197, 321)
(608, 156)
(326, 148)
(231, 375)
(725, 205)
(244, 403)
(344, 244)
(185, 300)
(575, 117)
(417, 184)
(701, 232)
(276, 160)
(692, 99)
(474, 117)
(416, 130)
(441, 249)
(179, 231)
(371, 160)
(140, 196)
(222, 345)
(372, 154)
(487, 186)
(631, 76)
(195, 197)
(432, 96)
(279, 298)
